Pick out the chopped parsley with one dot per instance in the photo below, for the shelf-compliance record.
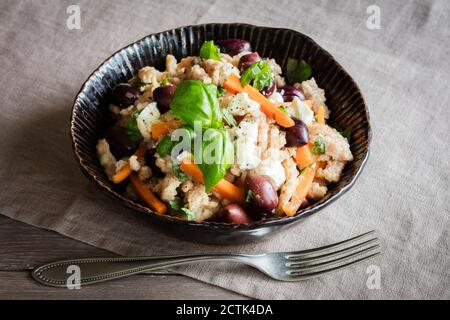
(178, 172)
(319, 146)
(249, 196)
(132, 129)
(189, 214)
(165, 146)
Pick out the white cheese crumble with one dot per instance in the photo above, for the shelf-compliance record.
(134, 163)
(301, 111)
(274, 170)
(146, 118)
(276, 98)
(247, 154)
(241, 104)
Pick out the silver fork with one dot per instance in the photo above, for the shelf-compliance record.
(284, 266)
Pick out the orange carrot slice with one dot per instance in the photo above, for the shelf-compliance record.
(304, 184)
(147, 196)
(303, 156)
(125, 171)
(224, 188)
(233, 84)
(320, 115)
(162, 128)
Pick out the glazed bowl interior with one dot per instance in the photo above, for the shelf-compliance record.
(344, 99)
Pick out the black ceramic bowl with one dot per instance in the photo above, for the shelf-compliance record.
(90, 115)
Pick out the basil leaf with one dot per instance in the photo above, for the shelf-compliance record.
(298, 71)
(229, 118)
(165, 146)
(216, 156)
(319, 146)
(196, 101)
(132, 129)
(176, 204)
(210, 51)
(178, 172)
(259, 73)
(191, 215)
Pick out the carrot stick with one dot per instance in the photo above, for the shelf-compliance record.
(320, 116)
(125, 171)
(233, 85)
(147, 196)
(225, 188)
(304, 184)
(162, 128)
(303, 156)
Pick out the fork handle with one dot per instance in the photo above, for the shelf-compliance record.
(68, 273)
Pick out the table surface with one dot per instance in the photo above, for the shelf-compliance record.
(25, 247)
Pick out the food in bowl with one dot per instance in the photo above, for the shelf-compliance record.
(223, 136)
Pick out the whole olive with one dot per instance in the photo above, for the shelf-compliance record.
(150, 161)
(124, 95)
(290, 92)
(120, 144)
(298, 134)
(234, 213)
(163, 96)
(269, 90)
(264, 195)
(233, 46)
(247, 60)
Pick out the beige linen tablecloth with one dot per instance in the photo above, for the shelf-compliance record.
(402, 69)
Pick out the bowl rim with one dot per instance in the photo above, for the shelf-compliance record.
(265, 223)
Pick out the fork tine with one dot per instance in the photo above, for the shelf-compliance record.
(306, 259)
(339, 261)
(329, 270)
(327, 248)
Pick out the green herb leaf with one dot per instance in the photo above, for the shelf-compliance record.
(196, 101)
(347, 134)
(259, 73)
(302, 171)
(191, 215)
(178, 172)
(283, 108)
(216, 156)
(249, 196)
(176, 204)
(132, 129)
(165, 146)
(229, 118)
(220, 91)
(210, 51)
(298, 71)
(319, 146)
(165, 82)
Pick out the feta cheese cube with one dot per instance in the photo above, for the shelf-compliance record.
(146, 118)
(241, 104)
